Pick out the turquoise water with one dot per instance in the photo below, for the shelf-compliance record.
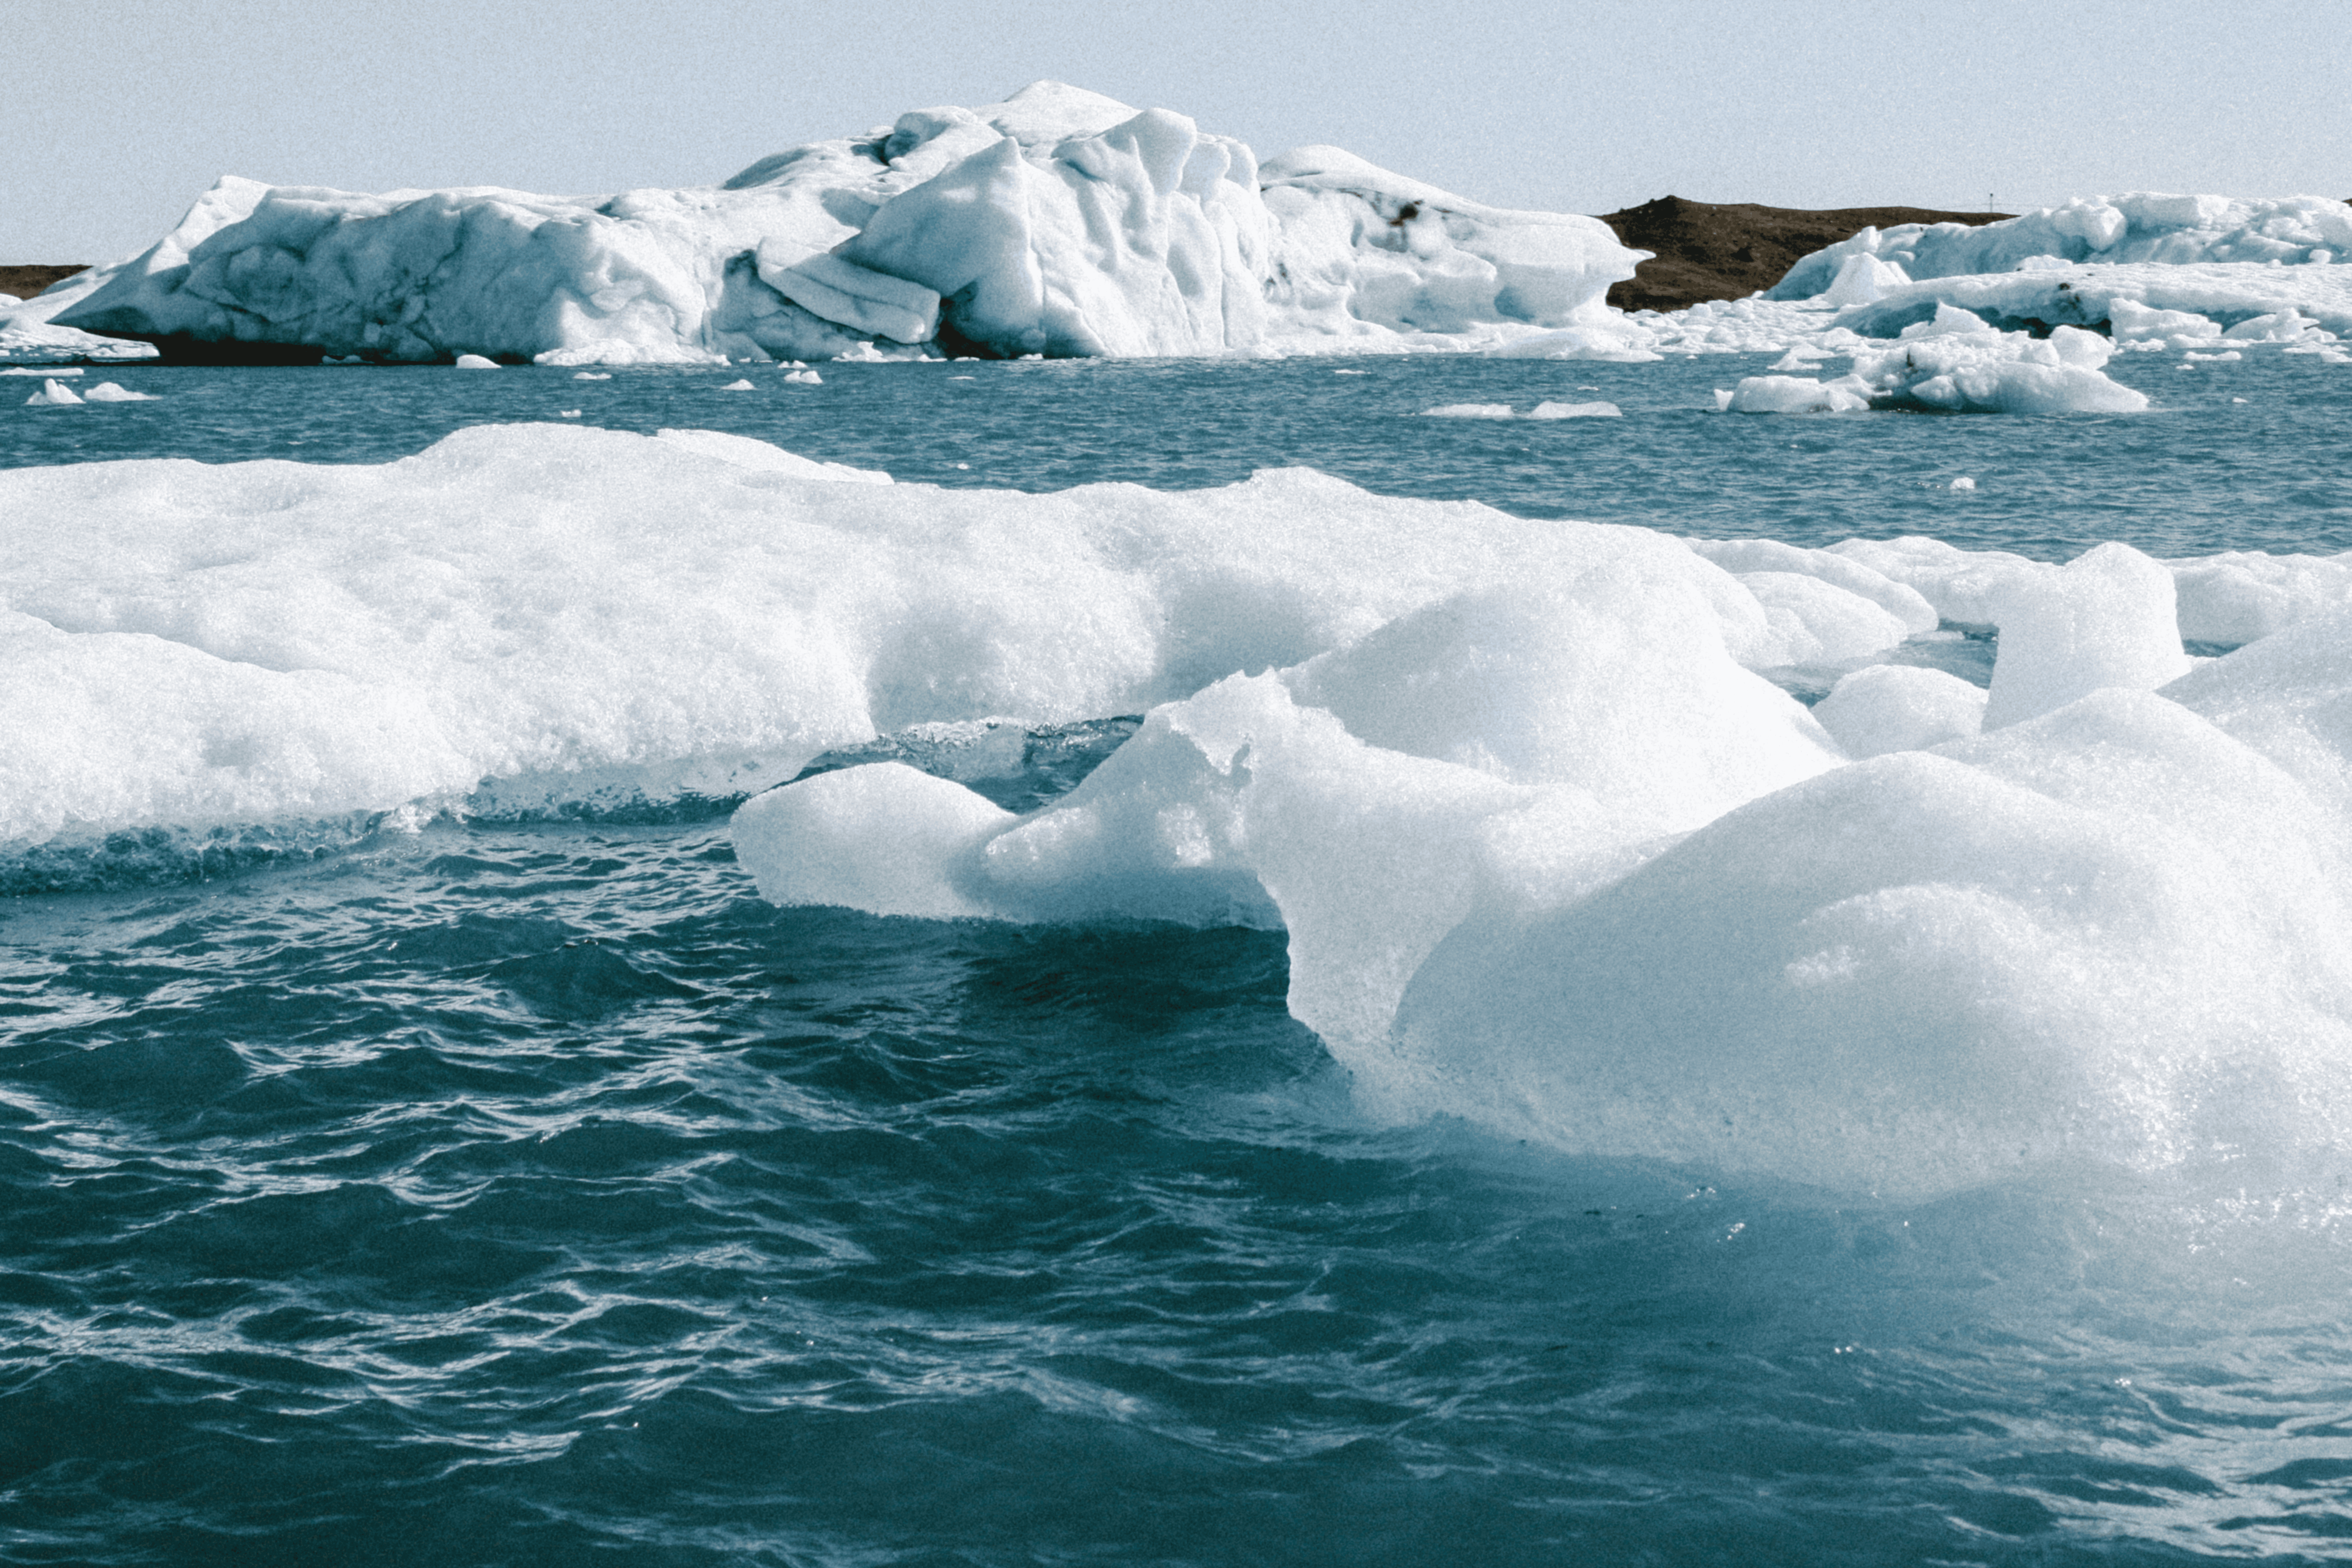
(533, 1193)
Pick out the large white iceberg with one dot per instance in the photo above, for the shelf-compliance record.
(1057, 222)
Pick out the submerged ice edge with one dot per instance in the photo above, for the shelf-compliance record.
(1549, 860)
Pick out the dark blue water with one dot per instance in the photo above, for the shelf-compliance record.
(533, 1193)
(2202, 472)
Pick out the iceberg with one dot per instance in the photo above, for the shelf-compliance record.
(2143, 226)
(1058, 222)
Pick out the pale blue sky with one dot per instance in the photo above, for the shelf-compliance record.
(114, 115)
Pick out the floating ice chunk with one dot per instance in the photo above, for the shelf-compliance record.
(2107, 619)
(54, 395)
(1862, 278)
(42, 370)
(2099, 936)
(567, 413)
(1793, 394)
(1802, 357)
(1953, 366)
(1900, 708)
(475, 361)
(107, 392)
(1962, 483)
(2242, 595)
(803, 378)
(591, 376)
(2228, 356)
(738, 386)
(1821, 623)
(1947, 320)
(2287, 326)
(2133, 323)
(1576, 411)
(883, 837)
(1966, 586)
(1723, 399)
(1469, 411)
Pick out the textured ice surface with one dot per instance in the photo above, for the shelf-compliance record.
(2142, 226)
(559, 610)
(1548, 852)
(1957, 362)
(1057, 222)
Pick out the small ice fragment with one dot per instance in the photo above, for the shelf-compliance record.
(1964, 483)
(54, 394)
(2237, 400)
(1351, 373)
(592, 376)
(963, 465)
(738, 386)
(1723, 396)
(804, 377)
(567, 413)
(42, 370)
(1575, 411)
(476, 361)
(1468, 411)
(107, 392)
(950, 378)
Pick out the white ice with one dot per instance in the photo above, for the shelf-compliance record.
(1547, 853)
(1957, 362)
(2140, 227)
(1057, 222)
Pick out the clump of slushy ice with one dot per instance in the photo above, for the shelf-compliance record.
(1956, 363)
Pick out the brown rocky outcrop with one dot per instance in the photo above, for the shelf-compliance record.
(27, 282)
(1727, 251)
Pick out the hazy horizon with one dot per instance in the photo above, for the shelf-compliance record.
(1580, 107)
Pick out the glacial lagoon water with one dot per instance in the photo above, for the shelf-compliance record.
(531, 1193)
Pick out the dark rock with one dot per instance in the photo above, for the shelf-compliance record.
(27, 282)
(1707, 251)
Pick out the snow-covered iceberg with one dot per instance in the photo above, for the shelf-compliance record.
(1058, 222)
(2141, 227)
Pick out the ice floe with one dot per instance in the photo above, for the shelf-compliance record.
(1956, 362)
(1549, 851)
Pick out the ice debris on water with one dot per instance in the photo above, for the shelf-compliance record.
(54, 395)
(1962, 483)
(108, 392)
(475, 361)
(1959, 363)
(42, 370)
(1551, 854)
(591, 376)
(744, 385)
(804, 377)
(1540, 411)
